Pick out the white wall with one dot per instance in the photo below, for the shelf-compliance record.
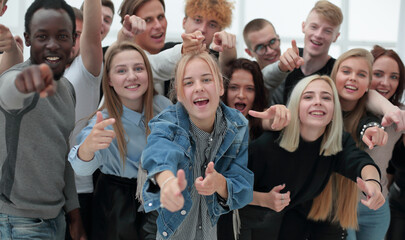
(366, 22)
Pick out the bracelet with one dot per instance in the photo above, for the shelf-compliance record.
(374, 180)
(368, 125)
(166, 181)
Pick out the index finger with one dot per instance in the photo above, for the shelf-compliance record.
(105, 123)
(257, 114)
(294, 46)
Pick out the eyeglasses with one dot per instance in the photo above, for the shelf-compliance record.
(261, 49)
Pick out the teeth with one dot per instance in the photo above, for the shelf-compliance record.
(133, 86)
(317, 113)
(52, 58)
(315, 42)
(351, 87)
(200, 100)
(382, 91)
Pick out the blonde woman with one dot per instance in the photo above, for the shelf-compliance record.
(302, 159)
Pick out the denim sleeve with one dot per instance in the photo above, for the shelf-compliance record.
(164, 151)
(239, 180)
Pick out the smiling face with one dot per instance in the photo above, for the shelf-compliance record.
(201, 93)
(241, 91)
(51, 39)
(319, 35)
(385, 77)
(207, 26)
(129, 78)
(316, 108)
(263, 37)
(352, 81)
(153, 38)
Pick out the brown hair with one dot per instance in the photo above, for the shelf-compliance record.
(329, 11)
(260, 101)
(130, 7)
(112, 101)
(221, 10)
(352, 118)
(78, 14)
(378, 52)
(253, 26)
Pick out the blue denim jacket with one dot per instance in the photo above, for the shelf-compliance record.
(171, 147)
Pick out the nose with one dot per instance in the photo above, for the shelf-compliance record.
(385, 81)
(132, 75)
(241, 94)
(317, 100)
(198, 87)
(318, 33)
(353, 77)
(203, 28)
(157, 24)
(52, 44)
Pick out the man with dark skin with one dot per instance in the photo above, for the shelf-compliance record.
(37, 112)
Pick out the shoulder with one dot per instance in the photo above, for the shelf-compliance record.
(160, 103)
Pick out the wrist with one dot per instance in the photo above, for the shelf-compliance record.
(85, 155)
(376, 182)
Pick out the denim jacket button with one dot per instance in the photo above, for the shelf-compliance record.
(164, 234)
(150, 204)
(183, 212)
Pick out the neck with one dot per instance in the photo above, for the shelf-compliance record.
(347, 105)
(311, 134)
(313, 63)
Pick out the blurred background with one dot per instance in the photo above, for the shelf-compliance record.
(366, 22)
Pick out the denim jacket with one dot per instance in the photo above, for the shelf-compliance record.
(171, 147)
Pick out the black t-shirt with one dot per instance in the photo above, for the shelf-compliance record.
(397, 164)
(282, 93)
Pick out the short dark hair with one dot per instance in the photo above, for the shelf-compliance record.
(78, 14)
(131, 6)
(253, 26)
(105, 3)
(49, 4)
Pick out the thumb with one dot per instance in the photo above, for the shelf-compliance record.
(99, 117)
(210, 168)
(294, 46)
(361, 184)
(278, 188)
(181, 179)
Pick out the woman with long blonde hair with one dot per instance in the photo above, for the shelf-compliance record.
(302, 159)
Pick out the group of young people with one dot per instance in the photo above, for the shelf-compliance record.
(283, 147)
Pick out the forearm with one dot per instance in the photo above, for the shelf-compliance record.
(378, 104)
(257, 198)
(225, 57)
(11, 58)
(370, 172)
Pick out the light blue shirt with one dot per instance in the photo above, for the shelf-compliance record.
(108, 160)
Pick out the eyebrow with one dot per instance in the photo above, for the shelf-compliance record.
(202, 75)
(313, 92)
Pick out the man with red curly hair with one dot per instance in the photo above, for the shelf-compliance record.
(208, 17)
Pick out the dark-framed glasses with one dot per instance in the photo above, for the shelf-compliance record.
(261, 49)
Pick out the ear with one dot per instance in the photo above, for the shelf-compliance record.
(303, 27)
(221, 87)
(247, 50)
(3, 10)
(27, 39)
(337, 35)
(184, 22)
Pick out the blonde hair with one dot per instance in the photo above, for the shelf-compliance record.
(338, 200)
(112, 101)
(332, 140)
(329, 11)
(181, 67)
(221, 10)
(351, 119)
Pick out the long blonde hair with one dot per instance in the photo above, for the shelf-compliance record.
(338, 200)
(112, 101)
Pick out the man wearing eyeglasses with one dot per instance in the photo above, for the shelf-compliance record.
(262, 41)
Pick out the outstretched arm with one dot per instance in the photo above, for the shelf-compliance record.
(90, 40)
